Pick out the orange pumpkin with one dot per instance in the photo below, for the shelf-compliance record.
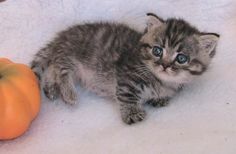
(19, 98)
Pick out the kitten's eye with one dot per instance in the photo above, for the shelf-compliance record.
(181, 58)
(157, 51)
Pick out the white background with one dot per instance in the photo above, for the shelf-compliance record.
(200, 120)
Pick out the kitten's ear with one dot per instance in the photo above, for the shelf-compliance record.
(208, 42)
(153, 21)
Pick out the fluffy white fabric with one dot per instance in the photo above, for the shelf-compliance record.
(200, 120)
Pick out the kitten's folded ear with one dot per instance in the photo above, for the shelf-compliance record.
(153, 21)
(208, 42)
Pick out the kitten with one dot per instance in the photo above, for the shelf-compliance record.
(125, 65)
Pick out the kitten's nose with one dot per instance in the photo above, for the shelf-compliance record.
(165, 66)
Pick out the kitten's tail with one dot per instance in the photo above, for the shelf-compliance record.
(40, 62)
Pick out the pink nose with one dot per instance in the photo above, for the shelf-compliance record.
(165, 66)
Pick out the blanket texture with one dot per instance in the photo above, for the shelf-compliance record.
(200, 120)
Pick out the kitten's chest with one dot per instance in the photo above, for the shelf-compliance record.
(156, 92)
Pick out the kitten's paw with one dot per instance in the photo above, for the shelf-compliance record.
(132, 113)
(158, 103)
(69, 97)
(51, 90)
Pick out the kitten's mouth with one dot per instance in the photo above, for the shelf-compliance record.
(164, 72)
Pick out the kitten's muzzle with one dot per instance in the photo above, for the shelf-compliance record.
(163, 65)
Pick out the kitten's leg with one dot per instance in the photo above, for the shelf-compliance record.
(40, 62)
(55, 71)
(131, 109)
(59, 81)
(158, 102)
(49, 84)
(68, 89)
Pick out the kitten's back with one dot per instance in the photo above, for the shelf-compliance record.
(88, 52)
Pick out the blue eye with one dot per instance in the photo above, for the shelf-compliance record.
(157, 51)
(181, 58)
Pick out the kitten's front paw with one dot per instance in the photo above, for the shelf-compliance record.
(158, 102)
(132, 113)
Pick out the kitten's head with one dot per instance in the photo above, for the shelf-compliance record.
(175, 51)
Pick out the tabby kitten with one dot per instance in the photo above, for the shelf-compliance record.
(125, 65)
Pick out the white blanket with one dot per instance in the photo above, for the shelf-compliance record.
(200, 120)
